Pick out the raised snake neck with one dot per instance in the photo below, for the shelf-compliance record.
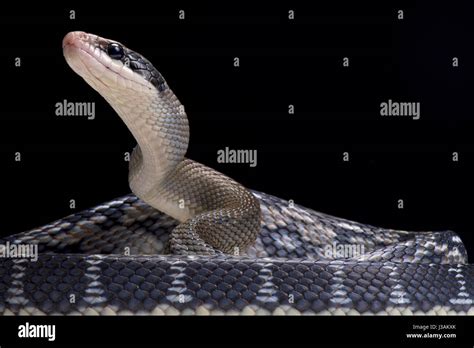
(217, 214)
(285, 258)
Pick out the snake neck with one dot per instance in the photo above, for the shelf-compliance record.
(159, 124)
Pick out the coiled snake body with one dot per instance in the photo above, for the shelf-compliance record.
(193, 241)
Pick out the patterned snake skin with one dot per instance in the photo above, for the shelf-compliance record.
(196, 242)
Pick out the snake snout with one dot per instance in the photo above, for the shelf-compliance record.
(73, 37)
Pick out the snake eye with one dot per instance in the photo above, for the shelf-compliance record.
(115, 51)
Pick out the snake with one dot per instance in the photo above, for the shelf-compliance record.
(189, 240)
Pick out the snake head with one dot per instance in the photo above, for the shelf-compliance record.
(107, 64)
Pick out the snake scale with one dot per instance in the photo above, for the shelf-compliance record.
(190, 240)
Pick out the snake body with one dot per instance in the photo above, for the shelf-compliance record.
(190, 240)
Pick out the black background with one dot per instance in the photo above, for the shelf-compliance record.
(282, 62)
